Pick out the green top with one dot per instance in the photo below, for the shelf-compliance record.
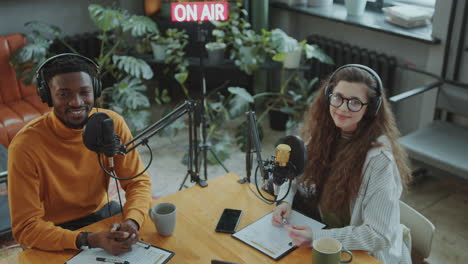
(331, 218)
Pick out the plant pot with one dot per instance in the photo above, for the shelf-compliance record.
(278, 120)
(355, 7)
(159, 51)
(215, 51)
(293, 59)
(320, 3)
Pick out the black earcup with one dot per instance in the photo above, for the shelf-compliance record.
(44, 92)
(97, 86)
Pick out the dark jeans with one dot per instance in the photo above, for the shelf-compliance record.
(99, 215)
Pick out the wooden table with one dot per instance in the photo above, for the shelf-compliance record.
(194, 240)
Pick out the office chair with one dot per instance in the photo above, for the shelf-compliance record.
(422, 230)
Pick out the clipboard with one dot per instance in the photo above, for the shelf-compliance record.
(271, 240)
(142, 253)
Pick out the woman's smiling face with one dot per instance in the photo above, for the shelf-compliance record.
(343, 117)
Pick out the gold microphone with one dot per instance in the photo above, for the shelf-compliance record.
(282, 154)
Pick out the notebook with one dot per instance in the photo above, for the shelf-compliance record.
(271, 240)
(142, 253)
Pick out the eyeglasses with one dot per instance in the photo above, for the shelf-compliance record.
(354, 104)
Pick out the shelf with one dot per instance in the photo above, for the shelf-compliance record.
(370, 20)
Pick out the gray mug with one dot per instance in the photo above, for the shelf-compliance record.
(328, 250)
(163, 216)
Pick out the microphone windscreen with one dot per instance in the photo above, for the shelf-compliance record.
(298, 154)
(92, 133)
(282, 154)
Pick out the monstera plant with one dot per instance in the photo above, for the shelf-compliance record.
(118, 34)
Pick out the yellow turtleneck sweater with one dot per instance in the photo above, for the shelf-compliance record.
(53, 178)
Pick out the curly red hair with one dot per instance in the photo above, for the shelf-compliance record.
(338, 173)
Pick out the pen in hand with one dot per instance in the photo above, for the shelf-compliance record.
(114, 261)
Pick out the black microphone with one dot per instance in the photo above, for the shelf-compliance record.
(290, 160)
(99, 136)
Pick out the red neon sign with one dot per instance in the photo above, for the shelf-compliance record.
(199, 11)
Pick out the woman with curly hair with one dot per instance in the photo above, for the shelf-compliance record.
(356, 168)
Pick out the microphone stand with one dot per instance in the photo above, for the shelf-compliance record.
(204, 146)
(265, 173)
(187, 107)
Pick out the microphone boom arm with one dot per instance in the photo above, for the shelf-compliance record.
(254, 137)
(150, 131)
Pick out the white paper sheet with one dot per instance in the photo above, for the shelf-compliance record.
(272, 240)
(141, 254)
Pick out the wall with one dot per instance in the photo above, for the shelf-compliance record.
(71, 16)
(412, 113)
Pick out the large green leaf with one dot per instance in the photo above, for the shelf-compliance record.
(173, 129)
(181, 77)
(242, 133)
(136, 67)
(128, 94)
(105, 18)
(43, 29)
(222, 147)
(281, 42)
(32, 52)
(26, 59)
(161, 97)
(137, 120)
(313, 51)
(241, 92)
(140, 26)
(239, 104)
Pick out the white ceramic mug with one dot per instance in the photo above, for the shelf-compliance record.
(163, 216)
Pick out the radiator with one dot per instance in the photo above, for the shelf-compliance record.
(344, 53)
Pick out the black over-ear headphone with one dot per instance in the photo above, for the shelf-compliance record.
(43, 89)
(375, 105)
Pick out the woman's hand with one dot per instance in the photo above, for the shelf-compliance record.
(300, 235)
(281, 211)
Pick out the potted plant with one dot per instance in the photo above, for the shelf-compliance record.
(175, 41)
(246, 48)
(119, 30)
(290, 51)
(215, 51)
(159, 47)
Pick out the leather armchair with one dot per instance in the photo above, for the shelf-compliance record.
(19, 103)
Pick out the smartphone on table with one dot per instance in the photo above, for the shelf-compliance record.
(228, 221)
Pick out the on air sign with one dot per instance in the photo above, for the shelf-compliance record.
(199, 11)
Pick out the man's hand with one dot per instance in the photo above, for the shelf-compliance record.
(115, 242)
(300, 235)
(129, 226)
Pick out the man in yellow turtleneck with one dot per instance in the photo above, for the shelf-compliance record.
(56, 184)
